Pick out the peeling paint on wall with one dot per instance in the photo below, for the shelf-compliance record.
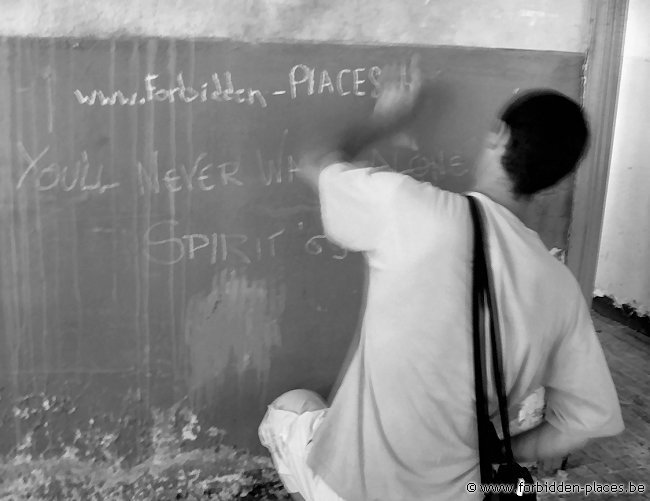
(91, 467)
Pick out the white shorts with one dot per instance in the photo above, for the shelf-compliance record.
(287, 431)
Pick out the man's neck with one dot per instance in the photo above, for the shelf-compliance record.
(503, 196)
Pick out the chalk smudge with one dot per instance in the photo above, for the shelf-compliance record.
(236, 323)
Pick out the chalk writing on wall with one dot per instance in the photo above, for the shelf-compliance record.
(303, 80)
(44, 173)
(164, 246)
(47, 174)
(167, 241)
(162, 242)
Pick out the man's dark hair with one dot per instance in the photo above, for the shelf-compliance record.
(548, 135)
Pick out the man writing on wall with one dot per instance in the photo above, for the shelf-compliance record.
(402, 425)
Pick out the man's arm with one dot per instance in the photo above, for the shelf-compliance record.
(545, 442)
(582, 403)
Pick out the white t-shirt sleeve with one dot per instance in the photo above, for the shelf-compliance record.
(581, 397)
(356, 204)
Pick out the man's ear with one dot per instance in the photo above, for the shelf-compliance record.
(499, 136)
(503, 136)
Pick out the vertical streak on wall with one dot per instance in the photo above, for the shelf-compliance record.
(23, 221)
(8, 258)
(55, 344)
(186, 209)
(134, 78)
(72, 247)
(114, 174)
(40, 279)
(171, 67)
(33, 228)
(150, 157)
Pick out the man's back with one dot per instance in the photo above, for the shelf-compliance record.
(403, 424)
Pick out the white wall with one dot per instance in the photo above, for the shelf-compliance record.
(527, 24)
(624, 261)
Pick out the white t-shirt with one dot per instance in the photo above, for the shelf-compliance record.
(402, 425)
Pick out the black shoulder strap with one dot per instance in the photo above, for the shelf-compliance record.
(484, 305)
(478, 330)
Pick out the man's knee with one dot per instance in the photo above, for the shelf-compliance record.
(299, 401)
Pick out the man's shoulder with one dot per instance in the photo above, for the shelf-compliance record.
(399, 190)
(423, 196)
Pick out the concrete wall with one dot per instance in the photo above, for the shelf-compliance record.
(526, 24)
(623, 266)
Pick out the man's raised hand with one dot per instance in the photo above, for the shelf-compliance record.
(400, 90)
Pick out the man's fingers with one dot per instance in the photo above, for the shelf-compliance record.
(415, 73)
(389, 76)
(400, 88)
(402, 75)
(414, 66)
